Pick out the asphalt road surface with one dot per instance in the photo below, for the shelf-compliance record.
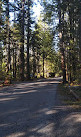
(34, 109)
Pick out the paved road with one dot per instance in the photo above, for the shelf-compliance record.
(34, 110)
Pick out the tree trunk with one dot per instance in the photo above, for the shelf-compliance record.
(28, 41)
(63, 64)
(34, 62)
(22, 46)
(62, 48)
(80, 38)
(8, 38)
(13, 59)
(15, 67)
(43, 63)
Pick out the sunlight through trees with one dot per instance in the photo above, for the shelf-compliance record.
(32, 47)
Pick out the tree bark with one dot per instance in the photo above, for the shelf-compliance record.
(22, 46)
(43, 63)
(8, 38)
(62, 45)
(28, 42)
(80, 38)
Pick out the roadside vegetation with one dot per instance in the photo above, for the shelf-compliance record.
(70, 95)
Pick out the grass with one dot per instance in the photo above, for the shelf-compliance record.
(67, 97)
(77, 90)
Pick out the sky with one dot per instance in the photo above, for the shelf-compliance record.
(36, 8)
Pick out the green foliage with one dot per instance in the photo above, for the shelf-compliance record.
(43, 49)
(26, 50)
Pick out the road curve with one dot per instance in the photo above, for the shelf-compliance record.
(33, 109)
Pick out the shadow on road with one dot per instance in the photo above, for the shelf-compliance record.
(34, 110)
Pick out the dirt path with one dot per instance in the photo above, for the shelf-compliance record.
(33, 110)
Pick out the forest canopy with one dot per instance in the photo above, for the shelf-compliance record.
(33, 48)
